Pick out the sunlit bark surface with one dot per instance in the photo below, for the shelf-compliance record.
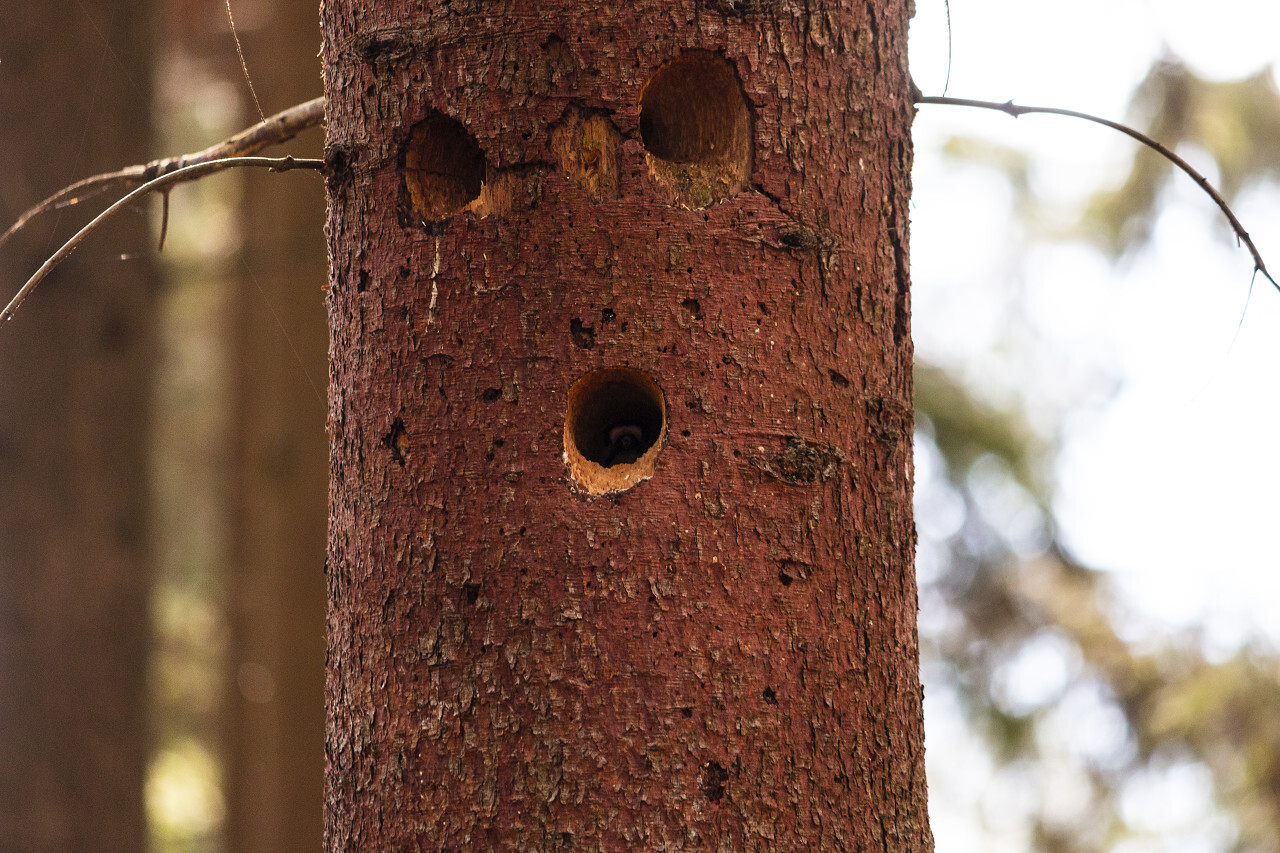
(620, 550)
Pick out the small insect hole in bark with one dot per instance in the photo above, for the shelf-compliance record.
(397, 441)
(583, 335)
(713, 781)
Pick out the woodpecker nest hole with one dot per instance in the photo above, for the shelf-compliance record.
(614, 428)
(696, 129)
(444, 168)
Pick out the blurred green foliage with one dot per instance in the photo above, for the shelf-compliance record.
(1177, 705)
(1236, 123)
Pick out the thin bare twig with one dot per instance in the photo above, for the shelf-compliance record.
(1010, 108)
(946, 84)
(280, 127)
(160, 184)
(244, 65)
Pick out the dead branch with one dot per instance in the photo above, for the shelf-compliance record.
(175, 175)
(280, 127)
(160, 175)
(1010, 108)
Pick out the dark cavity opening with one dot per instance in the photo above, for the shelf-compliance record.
(692, 110)
(695, 122)
(444, 168)
(618, 420)
(614, 426)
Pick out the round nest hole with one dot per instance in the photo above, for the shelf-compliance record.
(444, 168)
(696, 127)
(614, 428)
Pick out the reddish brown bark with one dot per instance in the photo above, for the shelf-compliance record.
(722, 656)
(74, 382)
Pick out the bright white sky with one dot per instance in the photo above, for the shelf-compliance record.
(1171, 465)
(1172, 482)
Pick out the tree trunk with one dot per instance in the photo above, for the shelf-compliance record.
(275, 757)
(74, 383)
(620, 549)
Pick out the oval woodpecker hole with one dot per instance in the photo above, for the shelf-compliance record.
(444, 168)
(696, 128)
(614, 427)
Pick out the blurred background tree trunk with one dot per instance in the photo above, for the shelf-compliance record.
(75, 370)
(241, 454)
(275, 746)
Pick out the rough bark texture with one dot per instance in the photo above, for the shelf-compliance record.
(74, 380)
(275, 757)
(723, 656)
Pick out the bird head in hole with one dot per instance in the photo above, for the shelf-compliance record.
(626, 445)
